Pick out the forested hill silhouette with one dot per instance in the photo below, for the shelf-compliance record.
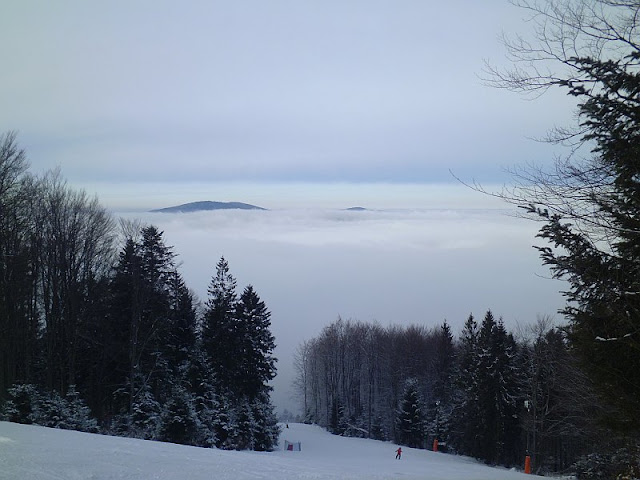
(207, 205)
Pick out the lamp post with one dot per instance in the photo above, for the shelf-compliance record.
(527, 458)
(435, 440)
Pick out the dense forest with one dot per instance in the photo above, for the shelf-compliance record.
(99, 332)
(485, 394)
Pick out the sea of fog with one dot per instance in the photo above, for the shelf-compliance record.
(391, 266)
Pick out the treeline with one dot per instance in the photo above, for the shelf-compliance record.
(484, 394)
(99, 332)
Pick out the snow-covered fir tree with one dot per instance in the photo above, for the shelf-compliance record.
(219, 328)
(466, 416)
(410, 417)
(238, 347)
(497, 392)
(438, 414)
(179, 422)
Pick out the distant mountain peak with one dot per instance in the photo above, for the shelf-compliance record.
(356, 209)
(207, 205)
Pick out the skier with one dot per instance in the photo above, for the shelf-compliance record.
(398, 453)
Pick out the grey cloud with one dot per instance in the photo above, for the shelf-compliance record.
(355, 91)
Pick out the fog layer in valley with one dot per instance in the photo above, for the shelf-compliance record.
(395, 266)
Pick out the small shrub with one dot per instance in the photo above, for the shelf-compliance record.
(26, 404)
(621, 464)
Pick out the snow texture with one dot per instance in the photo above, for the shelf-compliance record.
(39, 453)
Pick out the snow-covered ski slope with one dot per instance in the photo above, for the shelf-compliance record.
(37, 453)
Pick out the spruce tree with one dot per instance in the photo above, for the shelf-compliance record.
(497, 392)
(255, 360)
(119, 331)
(220, 326)
(467, 416)
(410, 417)
(438, 415)
(180, 341)
(21, 405)
(144, 319)
(79, 415)
(266, 430)
(488, 402)
(203, 386)
(238, 345)
(589, 199)
(179, 421)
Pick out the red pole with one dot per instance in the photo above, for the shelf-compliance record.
(527, 464)
(435, 444)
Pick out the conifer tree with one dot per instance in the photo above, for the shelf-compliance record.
(141, 322)
(255, 360)
(488, 390)
(179, 422)
(467, 416)
(244, 434)
(220, 326)
(438, 416)
(180, 341)
(238, 345)
(589, 199)
(79, 415)
(266, 428)
(21, 405)
(410, 417)
(497, 391)
(144, 419)
(201, 383)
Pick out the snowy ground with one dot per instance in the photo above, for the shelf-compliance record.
(38, 453)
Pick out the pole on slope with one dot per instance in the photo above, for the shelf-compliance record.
(527, 458)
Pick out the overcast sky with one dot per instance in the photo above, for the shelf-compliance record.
(278, 90)
(296, 105)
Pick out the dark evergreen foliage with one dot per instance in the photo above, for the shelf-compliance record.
(29, 405)
(589, 199)
(238, 345)
(471, 398)
(219, 332)
(80, 321)
(21, 404)
(497, 393)
(179, 422)
(255, 363)
(438, 414)
(410, 417)
(466, 415)
(266, 429)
